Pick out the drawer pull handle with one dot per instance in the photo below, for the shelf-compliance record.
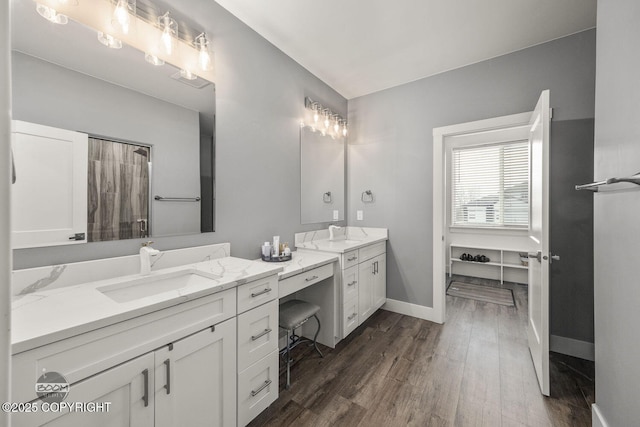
(352, 283)
(145, 396)
(262, 292)
(308, 279)
(352, 316)
(259, 389)
(167, 364)
(261, 334)
(353, 258)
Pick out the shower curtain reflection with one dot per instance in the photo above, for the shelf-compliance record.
(118, 190)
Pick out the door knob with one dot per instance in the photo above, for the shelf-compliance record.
(554, 258)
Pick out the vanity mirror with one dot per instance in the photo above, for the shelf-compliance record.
(64, 78)
(321, 177)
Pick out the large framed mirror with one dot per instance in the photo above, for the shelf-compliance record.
(322, 171)
(62, 77)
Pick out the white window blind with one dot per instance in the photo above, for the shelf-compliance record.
(490, 185)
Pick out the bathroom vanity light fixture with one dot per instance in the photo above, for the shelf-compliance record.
(204, 55)
(122, 15)
(332, 124)
(169, 28)
(141, 25)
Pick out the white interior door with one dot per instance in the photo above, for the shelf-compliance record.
(538, 328)
(49, 196)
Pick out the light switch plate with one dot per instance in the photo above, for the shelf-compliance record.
(360, 215)
(336, 214)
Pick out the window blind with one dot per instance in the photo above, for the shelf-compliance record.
(490, 185)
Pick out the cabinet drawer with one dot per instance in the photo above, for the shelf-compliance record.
(253, 294)
(257, 388)
(257, 334)
(87, 354)
(350, 283)
(349, 317)
(300, 281)
(350, 259)
(371, 251)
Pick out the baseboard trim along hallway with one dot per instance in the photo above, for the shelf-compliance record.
(571, 347)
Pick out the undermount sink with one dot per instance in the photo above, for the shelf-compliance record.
(141, 287)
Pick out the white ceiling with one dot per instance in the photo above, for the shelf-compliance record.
(363, 46)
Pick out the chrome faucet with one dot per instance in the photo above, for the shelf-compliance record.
(332, 229)
(146, 253)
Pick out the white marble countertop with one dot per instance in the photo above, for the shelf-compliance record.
(347, 239)
(47, 316)
(303, 261)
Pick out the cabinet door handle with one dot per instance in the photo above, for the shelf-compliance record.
(352, 283)
(353, 258)
(376, 264)
(261, 334)
(145, 396)
(308, 279)
(167, 364)
(352, 316)
(262, 292)
(262, 387)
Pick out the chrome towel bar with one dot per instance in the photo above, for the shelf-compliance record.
(177, 199)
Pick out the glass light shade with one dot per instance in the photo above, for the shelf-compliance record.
(205, 63)
(109, 41)
(153, 60)
(51, 15)
(344, 129)
(169, 28)
(122, 14)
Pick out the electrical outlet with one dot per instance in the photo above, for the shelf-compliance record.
(360, 215)
(336, 215)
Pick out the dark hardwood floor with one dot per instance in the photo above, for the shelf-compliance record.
(395, 370)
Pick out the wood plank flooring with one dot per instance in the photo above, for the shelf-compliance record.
(395, 370)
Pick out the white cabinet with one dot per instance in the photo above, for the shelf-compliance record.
(372, 292)
(128, 388)
(49, 196)
(363, 284)
(195, 379)
(257, 351)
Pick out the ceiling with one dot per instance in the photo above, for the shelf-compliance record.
(362, 46)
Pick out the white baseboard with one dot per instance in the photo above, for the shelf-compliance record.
(576, 348)
(597, 420)
(413, 310)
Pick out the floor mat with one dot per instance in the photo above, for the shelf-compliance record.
(481, 293)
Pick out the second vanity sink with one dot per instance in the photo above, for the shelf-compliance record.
(145, 286)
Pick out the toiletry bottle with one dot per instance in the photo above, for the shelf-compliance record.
(266, 250)
(276, 246)
(286, 251)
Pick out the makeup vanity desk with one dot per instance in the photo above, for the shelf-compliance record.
(310, 276)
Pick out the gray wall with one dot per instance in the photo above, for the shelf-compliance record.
(390, 145)
(616, 224)
(259, 103)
